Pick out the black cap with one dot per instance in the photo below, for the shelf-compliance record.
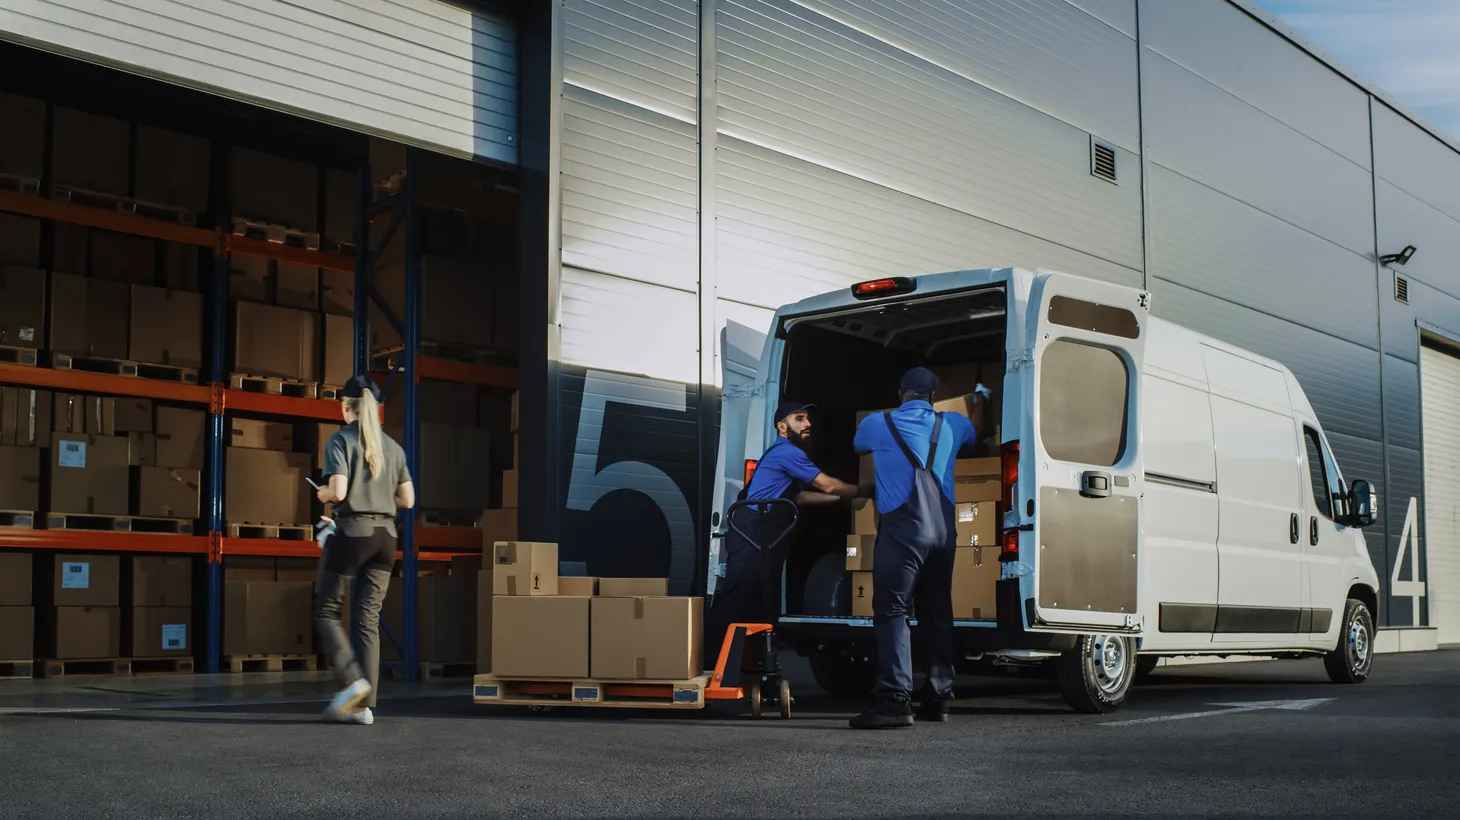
(920, 381)
(355, 388)
(788, 407)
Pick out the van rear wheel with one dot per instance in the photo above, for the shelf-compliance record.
(1353, 658)
(1095, 677)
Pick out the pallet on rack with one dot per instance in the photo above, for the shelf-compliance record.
(23, 356)
(615, 694)
(449, 518)
(275, 233)
(94, 364)
(162, 666)
(273, 385)
(17, 519)
(17, 670)
(86, 668)
(270, 663)
(124, 204)
(167, 373)
(85, 521)
(276, 532)
(330, 392)
(163, 526)
(19, 184)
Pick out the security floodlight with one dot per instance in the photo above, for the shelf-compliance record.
(1401, 258)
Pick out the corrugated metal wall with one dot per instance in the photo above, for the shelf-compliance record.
(436, 74)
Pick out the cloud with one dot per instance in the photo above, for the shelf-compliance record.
(1409, 48)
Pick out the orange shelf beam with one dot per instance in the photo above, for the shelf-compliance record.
(44, 208)
(299, 549)
(93, 541)
(486, 375)
(463, 539)
(322, 409)
(82, 382)
(289, 253)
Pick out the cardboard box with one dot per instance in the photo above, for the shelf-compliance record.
(270, 188)
(85, 632)
(860, 549)
(484, 621)
(22, 306)
(25, 417)
(268, 618)
(524, 568)
(646, 638)
(242, 568)
(861, 594)
(20, 241)
(864, 517)
(132, 415)
(436, 476)
(85, 580)
(181, 437)
(978, 524)
(160, 631)
(540, 636)
(446, 608)
(866, 469)
(144, 449)
(977, 490)
(70, 248)
(17, 633)
(16, 578)
(339, 349)
(20, 478)
(978, 468)
(180, 267)
(172, 169)
(23, 145)
(296, 286)
(441, 402)
(574, 587)
(261, 435)
(168, 492)
(275, 341)
(497, 525)
(167, 327)
(89, 316)
(267, 487)
(633, 587)
(975, 574)
(90, 474)
(248, 278)
(322, 435)
(509, 488)
(337, 292)
(99, 414)
(90, 152)
(305, 570)
(955, 404)
(121, 257)
(161, 581)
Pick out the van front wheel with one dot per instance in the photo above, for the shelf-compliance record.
(1353, 658)
(1096, 675)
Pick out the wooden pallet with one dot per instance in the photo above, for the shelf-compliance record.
(164, 526)
(275, 233)
(277, 532)
(94, 364)
(23, 356)
(449, 518)
(17, 519)
(330, 392)
(127, 205)
(19, 184)
(614, 694)
(167, 373)
(94, 523)
(270, 663)
(162, 666)
(273, 385)
(17, 670)
(86, 668)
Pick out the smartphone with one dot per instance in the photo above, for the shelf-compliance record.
(311, 482)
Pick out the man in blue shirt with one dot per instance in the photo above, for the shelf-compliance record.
(786, 471)
(913, 452)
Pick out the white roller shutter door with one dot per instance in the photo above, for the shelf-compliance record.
(424, 72)
(1440, 382)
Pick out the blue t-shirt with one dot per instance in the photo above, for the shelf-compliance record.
(783, 467)
(915, 421)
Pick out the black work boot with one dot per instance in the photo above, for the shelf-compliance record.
(932, 709)
(885, 713)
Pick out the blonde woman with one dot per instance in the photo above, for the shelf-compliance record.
(367, 481)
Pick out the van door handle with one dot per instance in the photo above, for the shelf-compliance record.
(1313, 531)
(1293, 529)
(1095, 484)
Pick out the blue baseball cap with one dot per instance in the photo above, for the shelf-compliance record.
(919, 381)
(789, 407)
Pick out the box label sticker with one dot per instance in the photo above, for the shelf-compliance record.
(75, 575)
(27, 334)
(72, 454)
(174, 636)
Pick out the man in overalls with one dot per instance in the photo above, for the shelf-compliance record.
(913, 450)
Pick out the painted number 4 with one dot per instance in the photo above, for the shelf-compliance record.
(1414, 589)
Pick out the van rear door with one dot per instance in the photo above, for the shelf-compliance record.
(742, 404)
(1081, 445)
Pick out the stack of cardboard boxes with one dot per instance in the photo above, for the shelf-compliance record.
(83, 614)
(446, 612)
(161, 611)
(120, 456)
(264, 481)
(546, 626)
(17, 610)
(25, 432)
(266, 612)
(501, 524)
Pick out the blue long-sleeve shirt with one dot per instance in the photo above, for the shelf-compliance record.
(915, 421)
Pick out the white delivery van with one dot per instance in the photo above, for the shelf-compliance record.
(1163, 493)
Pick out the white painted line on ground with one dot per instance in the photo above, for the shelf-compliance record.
(1231, 709)
(207, 704)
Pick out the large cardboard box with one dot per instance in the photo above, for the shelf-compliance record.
(975, 575)
(268, 618)
(296, 569)
(633, 587)
(509, 488)
(161, 581)
(122, 257)
(977, 468)
(84, 580)
(296, 286)
(20, 240)
(17, 633)
(90, 474)
(77, 414)
(89, 316)
(168, 492)
(23, 142)
(25, 417)
(860, 549)
(20, 478)
(322, 435)
(181, 437)
(498, 525)
(83, 632)
(577, 587)
(267, 487)
(167, 327)
(270, 188)
(16, 578)
(978, 524)
(180, 266)
(144, 449)
(248, 278)
(132, 415)
(866, 469)
(977, 490)
(525, 568)
(172, 169)
(90, 152)
(540, 636)
(275, 341)
(337, 292)
(646, 638)
(861, 594)
(241, 568)
(160, 632)
(339, 349)
(955, 404)
(261, 435)
(70, 248)
(864, 517)
(22, 306)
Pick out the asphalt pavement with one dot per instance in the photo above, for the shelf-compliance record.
(1252, 740)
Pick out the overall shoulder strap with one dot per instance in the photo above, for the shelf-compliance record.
(933, 444)
(901, 442)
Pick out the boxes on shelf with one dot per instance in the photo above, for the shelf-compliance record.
(131, 415)
(123, 257)
(524, 568)
(20, 478)
(296, 286)
(181, 437)
(20, 241)
(22, 306)
(497, 525)
(261, 435)
(861, 594)
(337, 292)
(70, 248)
(160, 631)
(167, 327)
(243, 568)
(89, 316)
(25, 417)
(267, 487)
(272, 189)
(646, 638)
(451, 467)
(248, 278)
(633, 587)
(78, 632)
(17, 633)
(180, 266)
(339, 349)
(172, 169)
(446, 628)
(268, 618)
(975, 575)
(83, 580)
(577, 587)
(161, 581)
(864, 517)
(90, 474)
(16, 579)
(323, 432)
(275, 341)
(77, 414)
(296, 569)
(144, 449)
(545, 636)
(90, 152)
(977, 480)
(168, 492)
(22, 151)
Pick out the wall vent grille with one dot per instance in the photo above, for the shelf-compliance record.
(1401, 289)
(1102, 160)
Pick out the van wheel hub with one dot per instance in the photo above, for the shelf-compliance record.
(1358, 641)
(1110, 659)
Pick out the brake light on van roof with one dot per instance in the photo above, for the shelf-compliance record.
(878, 288)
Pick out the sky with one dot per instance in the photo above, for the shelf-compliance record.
(1409, 48)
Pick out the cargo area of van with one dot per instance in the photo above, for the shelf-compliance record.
(848, 362)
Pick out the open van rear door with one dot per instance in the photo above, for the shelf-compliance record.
(741, 405)
(1082, 449)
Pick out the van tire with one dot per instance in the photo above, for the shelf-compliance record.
(1145, 665)
(1353, 659)
(841, 675)
(1095, 677)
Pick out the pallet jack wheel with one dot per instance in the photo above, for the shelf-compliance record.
(755, 701)
(785, 700)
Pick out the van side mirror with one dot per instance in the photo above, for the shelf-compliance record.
(1363, 504)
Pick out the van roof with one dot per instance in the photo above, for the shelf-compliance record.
(928, 284)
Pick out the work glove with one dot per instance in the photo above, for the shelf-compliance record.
(983, 391)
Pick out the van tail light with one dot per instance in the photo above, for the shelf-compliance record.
(878, 288)
(750, 465)
(1009, 478)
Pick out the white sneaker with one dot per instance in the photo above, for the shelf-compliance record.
(365, 718)
(346, 699)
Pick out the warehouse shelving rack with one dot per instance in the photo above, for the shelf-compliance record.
(400, 209)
